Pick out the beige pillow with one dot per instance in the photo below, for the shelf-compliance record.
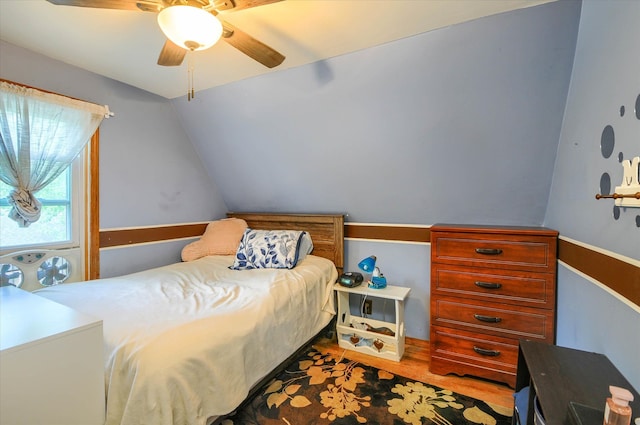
(221, 237)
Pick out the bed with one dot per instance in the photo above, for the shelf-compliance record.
(186, 343)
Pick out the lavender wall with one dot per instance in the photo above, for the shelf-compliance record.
(605, 91)
(459, 124)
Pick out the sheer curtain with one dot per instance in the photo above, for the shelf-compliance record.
(40, 135)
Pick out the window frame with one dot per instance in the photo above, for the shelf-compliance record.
(92, 209)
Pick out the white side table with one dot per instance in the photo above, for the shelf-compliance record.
(349, 328)
(51, 362)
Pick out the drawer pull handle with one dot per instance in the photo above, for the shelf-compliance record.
(489, 251)
(488, 319)
(488, 285)
(483, 352)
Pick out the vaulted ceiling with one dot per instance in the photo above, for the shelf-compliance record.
(124, 45)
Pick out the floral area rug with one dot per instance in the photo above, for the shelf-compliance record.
(318, 389)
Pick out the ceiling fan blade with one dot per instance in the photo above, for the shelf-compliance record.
(145, 5)
(240, 4)
(251, 47)
(171, 54)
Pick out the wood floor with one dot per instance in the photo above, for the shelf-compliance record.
(415, 365)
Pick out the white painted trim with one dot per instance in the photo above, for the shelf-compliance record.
(387, 241)
(115, 229)
(418, 226)
(107, 248)
(604, 287)
(603, 251)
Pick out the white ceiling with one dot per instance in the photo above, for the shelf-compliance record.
(124, 45)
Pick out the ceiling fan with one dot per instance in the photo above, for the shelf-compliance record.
(173, 53)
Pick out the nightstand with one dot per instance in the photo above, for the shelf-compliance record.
(363, 334)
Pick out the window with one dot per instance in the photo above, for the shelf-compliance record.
(55, 203)
(51, 250)
(62, 221)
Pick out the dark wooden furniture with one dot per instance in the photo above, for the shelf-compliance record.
(490, 287)
(565, 381)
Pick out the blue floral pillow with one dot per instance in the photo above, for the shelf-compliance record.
(275, 249)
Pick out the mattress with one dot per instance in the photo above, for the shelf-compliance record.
(186, 342)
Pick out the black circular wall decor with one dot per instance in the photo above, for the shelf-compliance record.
(607, 146)
(607, 141)
(605, 184)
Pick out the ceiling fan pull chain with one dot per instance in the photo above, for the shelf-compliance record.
(190, 91)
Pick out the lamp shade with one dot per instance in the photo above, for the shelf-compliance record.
(368, 265)
(190, 27)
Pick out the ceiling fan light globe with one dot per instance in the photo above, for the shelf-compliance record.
(190, 27)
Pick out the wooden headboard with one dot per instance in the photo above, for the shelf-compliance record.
(326, 230)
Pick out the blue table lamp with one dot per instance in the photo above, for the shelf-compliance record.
(368, 265)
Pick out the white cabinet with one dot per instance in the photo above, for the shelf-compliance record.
(375, 337)
(51, 362)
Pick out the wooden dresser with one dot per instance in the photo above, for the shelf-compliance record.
(491, 286)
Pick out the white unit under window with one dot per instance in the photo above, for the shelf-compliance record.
(51, 362)
(37, 268)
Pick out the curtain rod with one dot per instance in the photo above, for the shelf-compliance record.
(103, 109)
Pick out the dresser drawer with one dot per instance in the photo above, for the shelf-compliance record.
(494, 318)
(503, 251)
(510, 287)
(463, 352)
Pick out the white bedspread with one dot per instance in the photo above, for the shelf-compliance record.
(186, 342)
